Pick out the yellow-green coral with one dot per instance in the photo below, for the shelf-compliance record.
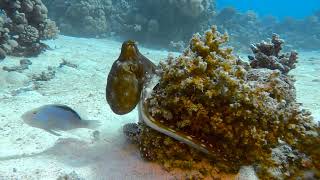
(207, 94)
(171, 154)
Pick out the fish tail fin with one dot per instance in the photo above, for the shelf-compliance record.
(91, 124)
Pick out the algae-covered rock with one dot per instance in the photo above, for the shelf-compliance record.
(240, 114)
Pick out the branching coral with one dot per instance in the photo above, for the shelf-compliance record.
(267, 55)
(23, 25)
(207, 94)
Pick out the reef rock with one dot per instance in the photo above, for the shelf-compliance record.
(87, 18)
(23, 23)
(267, 55)
(155, 23)
(161, 22)
(243, 28)
(239, 113)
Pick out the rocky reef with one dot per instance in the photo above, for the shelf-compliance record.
(169, 24)
(23, 23)
(159, 22)
(242, 113)
(243, 28)
(248, 27)
(86, 18)
(301, 33)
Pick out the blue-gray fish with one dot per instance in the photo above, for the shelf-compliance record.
(55, 117)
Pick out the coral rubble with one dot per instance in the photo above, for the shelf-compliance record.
(132, 132)
(241, 113)
(70, 176)
(67, 63)
(23, 23)
(45, 75)
(24, 64)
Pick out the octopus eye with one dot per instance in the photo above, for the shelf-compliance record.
(132, 68)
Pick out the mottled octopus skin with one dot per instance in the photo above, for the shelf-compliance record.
(126, 78)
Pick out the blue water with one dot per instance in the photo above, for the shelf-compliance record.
(279, 8)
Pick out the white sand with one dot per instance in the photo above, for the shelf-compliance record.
(31, 153)
(307, 75)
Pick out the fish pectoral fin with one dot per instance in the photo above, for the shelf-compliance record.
(52, 132)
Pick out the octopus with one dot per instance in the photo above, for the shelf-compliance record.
(128, 76)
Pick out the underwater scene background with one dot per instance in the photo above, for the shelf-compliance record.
(170, 89)
(280, 9)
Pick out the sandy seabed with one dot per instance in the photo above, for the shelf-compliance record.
(31, 153)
